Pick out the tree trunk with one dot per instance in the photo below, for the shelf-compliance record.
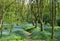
(1, 26)
(41, 13)
(53, 12)
(32, 13)
(2, 16)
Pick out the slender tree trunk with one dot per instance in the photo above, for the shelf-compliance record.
(36, 14)
(53, 12)
(52, 21)
(36, 22)
(1, 26)
(55, 2)
(1, 29)
(41, 13)
(32, 13)
(2, 16)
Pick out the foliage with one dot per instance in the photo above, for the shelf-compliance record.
(18, 16)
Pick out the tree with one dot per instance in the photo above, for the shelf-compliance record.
(53, 12)
(41, 14)
(2, 16)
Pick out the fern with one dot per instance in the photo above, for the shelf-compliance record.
(21, 33)
(37, 34)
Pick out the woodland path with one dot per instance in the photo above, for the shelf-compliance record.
(29, 37)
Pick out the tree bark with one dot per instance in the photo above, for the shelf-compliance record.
(41, 13)
(2, 16)
(53, 12)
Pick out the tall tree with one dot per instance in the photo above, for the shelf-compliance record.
(41, 14)
(32, 12)
(53, 12)
(2, 16)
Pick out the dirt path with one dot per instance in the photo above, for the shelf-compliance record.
(29, 37)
